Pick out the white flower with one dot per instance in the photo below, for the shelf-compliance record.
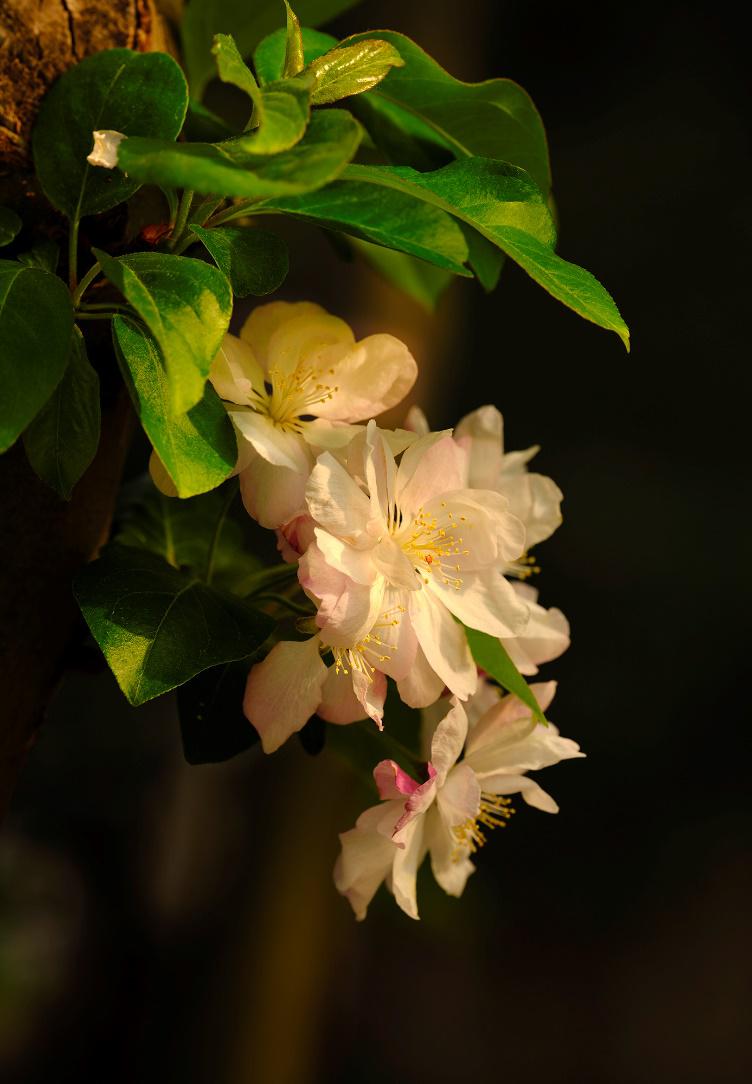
(105, 149)
(448, 816)
(533, 498)
(295, 382)
(545, 637)
(412, 537)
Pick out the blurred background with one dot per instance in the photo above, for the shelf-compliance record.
(162, 922)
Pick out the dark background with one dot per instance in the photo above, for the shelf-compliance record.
(159, 922)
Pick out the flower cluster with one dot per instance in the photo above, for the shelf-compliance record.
(403, 538)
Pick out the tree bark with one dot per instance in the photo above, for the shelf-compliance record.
(44, 540)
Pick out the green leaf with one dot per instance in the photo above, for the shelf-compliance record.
(36, 321)
(255, 261)
(487, 195)
(384, 217)
(44, 254)
(280, 111)
(247, 22)
(210, 710)
(269, 56)
(352, 69)
(142, 94)
(484, 257)
(502, 204)
(186, 305)
(198, 448)
(157, 627)
(565, 281)
(211, 536)
(418, 279)
(491, 656)
(228, 169)
(419, 110)
(10, 225)
(62, 440)
(231, 68)
(294, 55)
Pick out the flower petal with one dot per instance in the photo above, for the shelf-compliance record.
(284, 691)
(485, 600)
(431, 466)
(266, 320)
(336, 502)
(369, 377)
(272, 495)
(450, 868)
(536, 500)
(339, 703)
(235, 374)
(405, 867)
(533, 794)
(448, 740)
(443, 642)
(277, 446)
(392, 781)
(366, 858)
(546, 636)
(482, 433)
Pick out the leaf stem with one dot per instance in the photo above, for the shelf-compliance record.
(256, 581)
(105, 306)
(233, 491)
(95, 315)
(73, 253)
(236, 211)
(280, 600)
(85, 283)
(184, 210)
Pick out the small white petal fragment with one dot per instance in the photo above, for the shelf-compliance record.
(105, 150)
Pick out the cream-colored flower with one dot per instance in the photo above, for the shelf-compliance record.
(294, 383)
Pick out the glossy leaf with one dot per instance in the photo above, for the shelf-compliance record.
(269, 56)
(489, 196)
(280, 111)
(10, 225)
(247, 22)
(158, 627)
(62, 440)
(210, 535)
(420, 106)
(255, 261)
(142, 94)
(294, 55)
(228, 169)
(383, 216)
(491, 656)
(418, 279)
(231, 68)
(45, 254)
(568, 283)
(210, 710)
(352, 69)
(186, 305)
(36, 321)
(198, 448)
(504, 207)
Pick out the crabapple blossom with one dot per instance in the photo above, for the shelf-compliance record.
(413, 534)
(294, 383)
(449, 815)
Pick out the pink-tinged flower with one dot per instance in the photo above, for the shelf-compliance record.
(533, 498)
(412, 536)
(294, 383)
(449, 815)
(293, 683)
